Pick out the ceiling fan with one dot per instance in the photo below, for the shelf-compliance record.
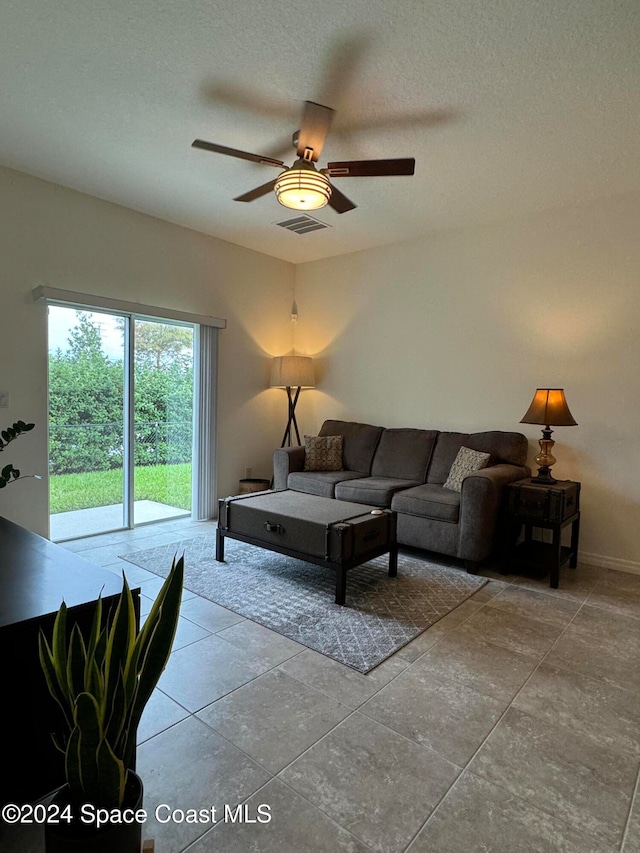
(302, 186)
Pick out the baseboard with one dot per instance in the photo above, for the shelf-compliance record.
(604, 562)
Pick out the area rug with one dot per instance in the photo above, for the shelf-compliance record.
(296, 599)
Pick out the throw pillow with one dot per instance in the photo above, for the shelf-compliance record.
(323, 452)
(466, 462)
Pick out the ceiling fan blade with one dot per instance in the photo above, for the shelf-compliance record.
(257, 192)
(339, 202)
(238, 98)
(316, 121)
(370, 168)
(234, 152)
(343, 64)
(426, 118)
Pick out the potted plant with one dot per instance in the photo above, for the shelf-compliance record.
(8, 474)
(102, 684)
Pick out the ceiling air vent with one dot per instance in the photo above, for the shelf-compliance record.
(302, 224)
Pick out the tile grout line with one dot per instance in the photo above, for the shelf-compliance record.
(322, 811)
(528, 679)
(634, 797)
(402, 672)
(465, 768)
(609, 609)
(393, 731)
(192, 715)
(499, 720)
(233, 689)
(267, 672)
(289, 788)
(522, 687)
(274, 776)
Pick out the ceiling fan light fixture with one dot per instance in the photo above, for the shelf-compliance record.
(302, 187)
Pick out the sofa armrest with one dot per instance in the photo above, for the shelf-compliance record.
(286, 460)
(480, 506)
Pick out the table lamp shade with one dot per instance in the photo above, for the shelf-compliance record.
(292, 371)
(549, 408)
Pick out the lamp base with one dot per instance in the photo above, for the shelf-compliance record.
(544, 476)
(545, 458)
(292, 423)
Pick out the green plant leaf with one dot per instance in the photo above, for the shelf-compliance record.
(76, 660)
(94, 636)
(59, 649)
(10, 473)
(101, 647)
(155, 648)
(49, 670)
(86, 717)
(116, 717)
(72, 765)
(120, 642)
(113, 776)
(60, 742)
(95, 684)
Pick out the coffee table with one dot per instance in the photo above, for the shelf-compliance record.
(334, 534)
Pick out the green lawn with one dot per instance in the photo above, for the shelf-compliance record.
(168, 484)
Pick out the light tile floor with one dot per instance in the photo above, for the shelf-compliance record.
(513, 724)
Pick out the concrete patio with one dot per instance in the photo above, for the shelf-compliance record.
(104, 519)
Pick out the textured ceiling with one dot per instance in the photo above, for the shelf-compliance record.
(508, 106)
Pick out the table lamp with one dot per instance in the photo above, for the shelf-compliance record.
(549, 408)
(292, 371)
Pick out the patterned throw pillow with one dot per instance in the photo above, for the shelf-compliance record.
(466, 462)
(323, 452)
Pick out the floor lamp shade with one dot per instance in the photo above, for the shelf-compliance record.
(292, 371)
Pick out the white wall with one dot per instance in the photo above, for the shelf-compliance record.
(456, 331)
(54, 236)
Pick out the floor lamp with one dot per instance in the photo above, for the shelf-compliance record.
(292, 372)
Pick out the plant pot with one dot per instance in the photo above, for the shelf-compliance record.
(79, 837)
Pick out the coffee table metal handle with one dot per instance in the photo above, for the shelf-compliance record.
(273, 528)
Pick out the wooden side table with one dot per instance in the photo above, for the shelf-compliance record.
(547, 506)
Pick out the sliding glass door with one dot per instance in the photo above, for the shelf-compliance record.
(121, 402)
(163, 420)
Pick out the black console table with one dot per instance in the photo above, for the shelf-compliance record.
(35, 577)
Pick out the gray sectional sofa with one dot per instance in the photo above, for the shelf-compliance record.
(405, 469)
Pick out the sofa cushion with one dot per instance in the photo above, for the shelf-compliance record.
(359, 444)
(323, 452)
(428, 501)
(466, 462)
(404, 454)
(510, 447)
(376, 491)
(319, 482)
